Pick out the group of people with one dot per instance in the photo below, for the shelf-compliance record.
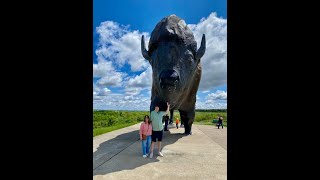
(166, 122)
(151, 130)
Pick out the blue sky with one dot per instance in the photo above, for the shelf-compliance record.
(122, 78)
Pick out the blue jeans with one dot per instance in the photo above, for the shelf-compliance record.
(220, 124)
(146, 145)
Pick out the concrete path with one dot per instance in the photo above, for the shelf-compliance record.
(203, 155)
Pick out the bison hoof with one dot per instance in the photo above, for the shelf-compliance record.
(187, 134)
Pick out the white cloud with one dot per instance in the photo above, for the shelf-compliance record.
(102, 69)
(211, 105)
(216, 100)
(132, 91)
(107, 74)
(218, 95)
(120, 102)
(115, 80)
(120, 45)
(100, 91)
(104, 92)
(214, 61)
(205, 91)
(135, 84)
(144, 80)
(200, 105)
(96, 98)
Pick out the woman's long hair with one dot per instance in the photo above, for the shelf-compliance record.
(144, 120)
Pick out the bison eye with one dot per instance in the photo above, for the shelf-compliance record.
(190, 58)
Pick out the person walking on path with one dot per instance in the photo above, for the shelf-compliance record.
(177, 123)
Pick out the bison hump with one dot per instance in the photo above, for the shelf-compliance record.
(172, 29)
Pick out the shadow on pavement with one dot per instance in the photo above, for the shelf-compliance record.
(132, 158)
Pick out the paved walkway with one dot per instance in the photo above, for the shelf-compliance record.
(203, 155)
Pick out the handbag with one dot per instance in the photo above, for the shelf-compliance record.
(144, 137)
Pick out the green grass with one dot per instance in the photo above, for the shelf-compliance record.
(107, 121)
(103, 130)
(206, 118)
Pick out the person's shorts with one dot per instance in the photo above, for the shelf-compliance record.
(156, 135)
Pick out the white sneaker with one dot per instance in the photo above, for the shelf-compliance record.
(160, 154)
(144, 156)
(150, 155)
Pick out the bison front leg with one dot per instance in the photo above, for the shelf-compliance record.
(171, 116)
(187, 118)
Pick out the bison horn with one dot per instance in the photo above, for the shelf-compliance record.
(144, 52)
(202, 48)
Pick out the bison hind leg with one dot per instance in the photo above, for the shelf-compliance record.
(187, 118)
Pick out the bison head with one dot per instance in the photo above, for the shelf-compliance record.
(173, 56)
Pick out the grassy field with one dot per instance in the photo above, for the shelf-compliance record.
(105, 121)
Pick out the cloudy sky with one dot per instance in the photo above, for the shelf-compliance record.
(122, 77)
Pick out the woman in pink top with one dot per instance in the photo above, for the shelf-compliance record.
(146, 128)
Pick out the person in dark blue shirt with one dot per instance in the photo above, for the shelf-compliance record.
(220, 118)
(166, 120)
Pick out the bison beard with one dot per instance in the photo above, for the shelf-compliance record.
(176, 68)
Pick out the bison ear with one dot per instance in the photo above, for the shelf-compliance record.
(202, 48)
(144, 51)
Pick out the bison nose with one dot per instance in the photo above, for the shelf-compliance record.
(168, 78)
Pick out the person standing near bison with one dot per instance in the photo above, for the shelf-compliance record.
(157, 127)
(177, 122)
(166, 120)
(220, 118)
(145, 135)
